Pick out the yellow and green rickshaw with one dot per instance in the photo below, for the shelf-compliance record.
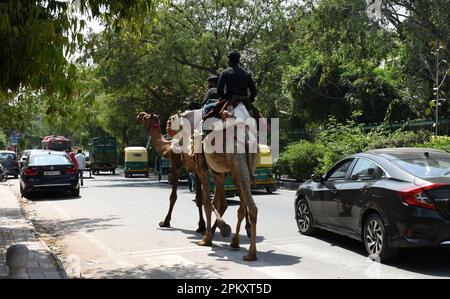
(136, 161)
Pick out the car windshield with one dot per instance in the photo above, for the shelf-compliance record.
(425, 167)
(40, 160)
(7, 156)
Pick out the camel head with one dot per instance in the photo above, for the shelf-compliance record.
(149, 120)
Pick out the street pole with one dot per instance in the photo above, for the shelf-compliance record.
(437, 92)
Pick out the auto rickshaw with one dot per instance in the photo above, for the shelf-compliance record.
(136, 161)
(263, 174)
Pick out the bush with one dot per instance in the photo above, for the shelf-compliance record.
(440, 143)
(304, 158)
(299, 159)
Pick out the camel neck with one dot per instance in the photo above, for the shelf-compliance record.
(159, 143)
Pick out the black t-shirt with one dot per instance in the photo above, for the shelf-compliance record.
(237, 82)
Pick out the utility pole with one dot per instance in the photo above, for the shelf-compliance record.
(437, 92)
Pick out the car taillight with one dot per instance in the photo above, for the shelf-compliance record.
(30, 172)
(71, 170)
(416, 196)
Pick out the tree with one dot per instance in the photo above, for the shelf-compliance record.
(37, 37)
(345, 62)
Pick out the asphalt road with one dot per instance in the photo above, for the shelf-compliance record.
(112, 231)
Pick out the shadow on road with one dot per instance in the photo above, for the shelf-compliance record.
(67, 227)
(426, 261)
(175, 271)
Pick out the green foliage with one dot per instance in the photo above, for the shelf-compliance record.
(3, 140)
(338, 140)
(299, 159)
(440, 143)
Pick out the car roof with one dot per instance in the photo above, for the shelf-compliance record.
(43, 152)
(405, 153)
(8, 152)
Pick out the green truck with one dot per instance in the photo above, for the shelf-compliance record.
(103, 155)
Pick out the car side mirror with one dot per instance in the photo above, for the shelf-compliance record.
(317, 178)
(354, 177)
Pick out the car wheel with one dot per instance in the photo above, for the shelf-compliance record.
(269, 189)
(24, 193)
(75, 192)
(376, 240)
(304, 218)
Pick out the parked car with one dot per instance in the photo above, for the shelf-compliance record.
(49, 171)
(10, 163)
(387, 198)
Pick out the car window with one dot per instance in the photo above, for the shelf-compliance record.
(40, 160)
(7, 156)
(425, 167)
(366, 170)
(339, 171)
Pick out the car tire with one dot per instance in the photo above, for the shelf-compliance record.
(376, 240)
(24, 193)
(75, 192)
(304, 218)
(270, 189)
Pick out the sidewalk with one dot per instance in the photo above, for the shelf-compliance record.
(15, 229)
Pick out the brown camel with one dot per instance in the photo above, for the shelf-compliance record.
(163, 147)
(241, 166)
(220, 202)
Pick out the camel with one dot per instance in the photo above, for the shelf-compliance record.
(241, 166)
(163, 147)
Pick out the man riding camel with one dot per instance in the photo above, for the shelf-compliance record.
(237, 82)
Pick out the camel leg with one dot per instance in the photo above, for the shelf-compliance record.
(199, 202)
(248, 228)
(240, 169)
(220, 203)
(240, 214)
(173, 196)
(207, 206)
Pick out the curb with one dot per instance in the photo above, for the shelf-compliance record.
(55, 259)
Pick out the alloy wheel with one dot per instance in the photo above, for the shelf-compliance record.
(374, 237)
(303, 217)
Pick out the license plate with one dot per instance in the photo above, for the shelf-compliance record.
(52, 172)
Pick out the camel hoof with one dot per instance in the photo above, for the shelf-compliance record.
(225, 231)
(250, 257)
(164, 224)
(204, 243)
(234, 244)
(201, 230)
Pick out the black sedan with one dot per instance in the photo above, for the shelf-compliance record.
(48, 171)
(10, 163)
(388, 198)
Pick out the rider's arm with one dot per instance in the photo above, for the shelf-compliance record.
(221, 85)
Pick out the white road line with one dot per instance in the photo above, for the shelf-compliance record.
(95, 241)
